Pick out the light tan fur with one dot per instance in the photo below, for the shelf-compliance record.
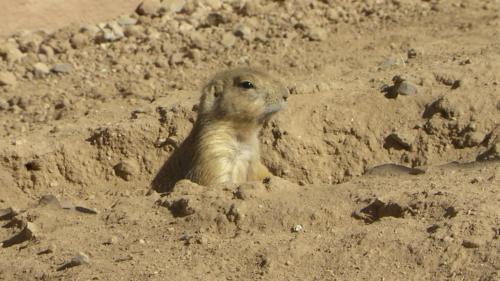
(230, 116)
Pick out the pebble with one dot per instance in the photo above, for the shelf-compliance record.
(79, 40)
(7, 79)
(112, 240)
(149, 7)
(49, 200)
(30, 231)
(116, 29)
(30, 42)
(228, 40)
(134, 31)
(126, 169)
(62, 68)
(40, 70)
(244, 31)
(317, 34)
(412, 53)
(297, 228)
(404, 139)
(406, 88)
(126, 21)
(87, 210)
(172, 6)
(11, 53)
(470, 244)
(8, 213)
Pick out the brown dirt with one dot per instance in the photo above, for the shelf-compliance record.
(95, 131)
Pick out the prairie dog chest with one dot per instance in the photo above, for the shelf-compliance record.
(245, 156)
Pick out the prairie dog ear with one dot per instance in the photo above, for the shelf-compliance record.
(210, 93)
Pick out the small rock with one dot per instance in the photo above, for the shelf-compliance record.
(405, 139)
(87, 210)
(181, 207)
(79, 40)
(62, 68)
(176, 58)
(474, 139)
(11, 53)
(317, 34)
(116, 29)
(126, 169)
(470, 244)
(243, 31)
(49, 200)
(40, 70)
(79, 259)
(228, 40)
(297, 228)
(141, 241)
(112, 240)
(30, 231)
(172, 6)
(50, 249)
(126, 21)
(134, 31)
(8, 213)
(412, 53)
(30, 42)
(405, 88)
(66, 204)
(149, 7)
(7, 79)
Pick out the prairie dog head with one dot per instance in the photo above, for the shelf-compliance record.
(243, 94)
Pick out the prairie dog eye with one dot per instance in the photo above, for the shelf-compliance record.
(246, 85)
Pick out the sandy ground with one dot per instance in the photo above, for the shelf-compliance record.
(385, 162)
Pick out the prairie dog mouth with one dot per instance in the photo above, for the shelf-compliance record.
(271, 110)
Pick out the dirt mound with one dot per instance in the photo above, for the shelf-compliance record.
(89, 116)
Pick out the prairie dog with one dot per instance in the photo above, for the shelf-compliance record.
(232, 109)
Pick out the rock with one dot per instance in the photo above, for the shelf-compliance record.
(79, 259)
(149, 7)
(176, 58)
(66, 204)
(47, 50)
(228, 40)
(412, 53)
(181, 207)
(40, 70)
(116, 29)
(126, 169)
(404, 139)
(30, 42)
(470, 244)
(62, 68)
(10, 53)
(79, 40)
(134, 31)
(7, 79)
(87, 210)
(8, 213)
(317, 34)
(30, 231)
(49, 200)
(244, 31)
(474, 139)
(172, 6)
(112, 240)
(126, 21)
(406, 88)
(297, 228)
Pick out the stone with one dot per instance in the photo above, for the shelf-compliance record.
(297, 228)
(10, 53)
(134, 31)
(8, 213)
(29, 232)
(112, 240)
(7, 79)
(49, 200)
(126, 21)
(62, 68)
(126, 169)
(317, 34)
(406, 88)
(79, 40)
(40, 70)
(79, 259)
(402, 138)
(228, 40)
(30, 42)
(470, 244)
(149, 7)
(116, 29)
(87, 210)
(172, 6)
(244, 31)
